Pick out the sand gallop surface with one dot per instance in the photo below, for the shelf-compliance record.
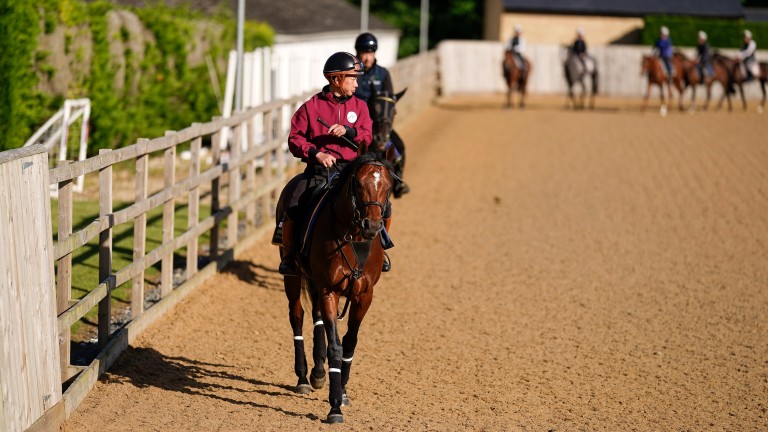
(554, 270)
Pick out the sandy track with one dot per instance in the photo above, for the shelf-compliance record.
(554, 270)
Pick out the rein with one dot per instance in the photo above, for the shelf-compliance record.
(356, 271)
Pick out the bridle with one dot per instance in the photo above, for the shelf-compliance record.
(357, 208)
(384, 118)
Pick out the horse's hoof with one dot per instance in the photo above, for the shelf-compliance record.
(317, 383)
(345, 400)
(663, 111)
(303, 389)
(335, 416)
(760, 109)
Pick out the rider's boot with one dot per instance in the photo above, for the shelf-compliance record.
(387, 264)
(288, 263)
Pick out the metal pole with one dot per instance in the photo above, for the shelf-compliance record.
(364, 16)
(424, 28)
(239, 69)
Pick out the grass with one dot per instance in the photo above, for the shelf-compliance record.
(85, 260)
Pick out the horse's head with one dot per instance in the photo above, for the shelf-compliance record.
(370, 186)
(382, 109)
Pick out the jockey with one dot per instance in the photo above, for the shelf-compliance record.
(747, 55)
(663, 48)
(322, 147)
(376, 77)
(704, 60)
(579, 48)
(517, 46)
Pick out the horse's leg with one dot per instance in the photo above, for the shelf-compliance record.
(356, 313)
(292, 286)
(663, 109)
(761, 107)
(693, 98)
(743, 99)
(521, 90)
(319, 348)
(647, 95)
(329, 309)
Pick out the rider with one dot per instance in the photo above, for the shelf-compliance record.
(663, 48)
(517, 46)
(704, 60)
(747, 55)
(376, 77)
(579, 48)
(324, 147)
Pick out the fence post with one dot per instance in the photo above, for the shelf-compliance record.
(140, 230)
(105, 251)
(234, 186)
(250, 173)
(64, 273)
(215, 192)
(30, 375)
(166, 272)
(194, 207)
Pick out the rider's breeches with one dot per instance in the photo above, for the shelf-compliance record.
(400, 147)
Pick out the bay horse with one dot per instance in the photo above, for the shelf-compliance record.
(692, 77)
(738, 79)
(576, 72)
(515, 77)
(653, 68)
(344, 259)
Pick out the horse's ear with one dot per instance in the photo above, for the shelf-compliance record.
(400, 95)
(362, 148)
(390, 154)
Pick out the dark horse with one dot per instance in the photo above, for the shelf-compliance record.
(653, 68)
(381, 107)
(576, 72)
(693, 76)
(736, 74)
(343, 258)
(515, 77)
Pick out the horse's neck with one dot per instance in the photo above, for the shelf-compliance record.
(342, 209)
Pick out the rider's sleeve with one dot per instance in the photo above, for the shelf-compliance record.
(298, 139)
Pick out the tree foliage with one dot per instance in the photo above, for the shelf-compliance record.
(448, 19)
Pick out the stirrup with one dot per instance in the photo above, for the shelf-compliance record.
(288, 267)
(386, 265)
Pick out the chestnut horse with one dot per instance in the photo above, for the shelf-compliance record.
(692, 76)
(515, 77)
(344, 259)
(738, 79)
(654, 69)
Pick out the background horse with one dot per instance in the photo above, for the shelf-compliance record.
(737, 79)
(651, 65)
(381, 107)
(344, 258)
(692, 77)
(576, 73)
(515, 77)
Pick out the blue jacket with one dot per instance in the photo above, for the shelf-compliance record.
(665, 47)
(376, 77)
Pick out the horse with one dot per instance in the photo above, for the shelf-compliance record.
(515, 77)
(576, 72)
(652, 67)
(344, 259)
(381, 107)
(738, 79)
(692, 76)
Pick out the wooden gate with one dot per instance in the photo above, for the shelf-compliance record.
(29, 377)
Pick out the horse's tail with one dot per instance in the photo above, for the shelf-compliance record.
(595, 77)
(567, 70)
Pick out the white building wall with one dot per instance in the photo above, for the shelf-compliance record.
(475, 67)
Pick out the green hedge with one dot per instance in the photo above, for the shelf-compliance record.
(170, 94)
(721, 33)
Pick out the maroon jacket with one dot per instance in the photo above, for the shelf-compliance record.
(308, 136)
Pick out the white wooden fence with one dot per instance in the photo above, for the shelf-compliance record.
(37, 308)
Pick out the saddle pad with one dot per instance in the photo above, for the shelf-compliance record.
(306, 231)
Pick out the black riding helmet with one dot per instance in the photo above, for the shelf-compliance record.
(342, 63)
(366, 42)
